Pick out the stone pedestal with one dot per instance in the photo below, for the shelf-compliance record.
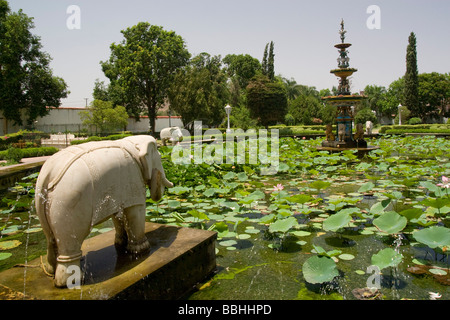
(179, 258)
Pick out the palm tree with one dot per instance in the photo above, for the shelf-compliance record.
(292, 88)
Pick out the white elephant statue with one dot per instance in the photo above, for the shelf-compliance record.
(172, 134)
(369, 127)
(86, 184)
(341, 132)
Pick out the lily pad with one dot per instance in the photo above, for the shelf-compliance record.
(346, 256)
(390, 222)
(366, 187)
(283, 225)
(228, 243)
(6, 245)
(319, 269)
(433, 236)
(5, 255)
(438, 272)
(301, 233)
(386, 258)
(336, 221)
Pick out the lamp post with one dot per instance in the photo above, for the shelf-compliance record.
(399, 115)
(228, 111)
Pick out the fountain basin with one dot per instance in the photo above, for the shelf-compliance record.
(179, 258)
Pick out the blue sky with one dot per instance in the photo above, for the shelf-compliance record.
(304, 33)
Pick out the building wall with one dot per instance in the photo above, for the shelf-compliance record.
(69, 120)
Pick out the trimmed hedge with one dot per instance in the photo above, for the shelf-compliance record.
(416, 128)
(22, 137)
(14, 153)
(398, 131)
(96, 138)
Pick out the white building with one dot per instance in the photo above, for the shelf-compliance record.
(68, 120)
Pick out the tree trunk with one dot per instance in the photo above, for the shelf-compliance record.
(152, 117)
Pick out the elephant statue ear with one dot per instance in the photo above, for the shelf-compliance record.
(146, 150)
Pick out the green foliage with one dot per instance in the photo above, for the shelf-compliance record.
(414, 121)
(141, 68)
(104, 116)
(364, 115)
(434, 236)
(390, 222)
(242, 67)
(266, 101)
(97, 138)
(387, 257)
(304, 109)
(199, 91)
(27, 85)
(15, 154)
(411, 90)
(319, 269)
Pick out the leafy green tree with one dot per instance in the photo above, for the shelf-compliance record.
(143, 66)
(365, 114)
(392, 98)
(266, 101)
(434, 94)
(374, 95)
(104, 116)
(27, 85)
(411, 90)
(242, 67)
(200, 92)
(304, 109)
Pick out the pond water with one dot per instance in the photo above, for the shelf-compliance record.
(269, 227)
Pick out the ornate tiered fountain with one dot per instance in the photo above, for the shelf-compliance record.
(345, 102)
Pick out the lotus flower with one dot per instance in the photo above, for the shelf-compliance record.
(278, 187)
(445, 182)
(434, 295)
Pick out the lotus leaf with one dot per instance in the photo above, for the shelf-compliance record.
(386, 258)
(346, 256)
(5, 255)
(366, 187)
(390, 222)
(413, 213)
(319, 269)
(438, 272)
(320, 185)
(436, 203)
(300, 198)
(433, 236)
(336, 221)
(10, 244)
(283, 225)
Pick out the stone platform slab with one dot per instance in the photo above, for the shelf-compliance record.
(179, 258)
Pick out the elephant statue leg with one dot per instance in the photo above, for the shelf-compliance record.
(52, 252)
(121, 238)
(134, 224)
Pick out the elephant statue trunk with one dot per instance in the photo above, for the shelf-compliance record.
(83, 185)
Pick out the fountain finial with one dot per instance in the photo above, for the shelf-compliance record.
(342, 32)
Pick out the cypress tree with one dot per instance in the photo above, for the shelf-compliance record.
(264, 62)
(270, 63)
(411, 91)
